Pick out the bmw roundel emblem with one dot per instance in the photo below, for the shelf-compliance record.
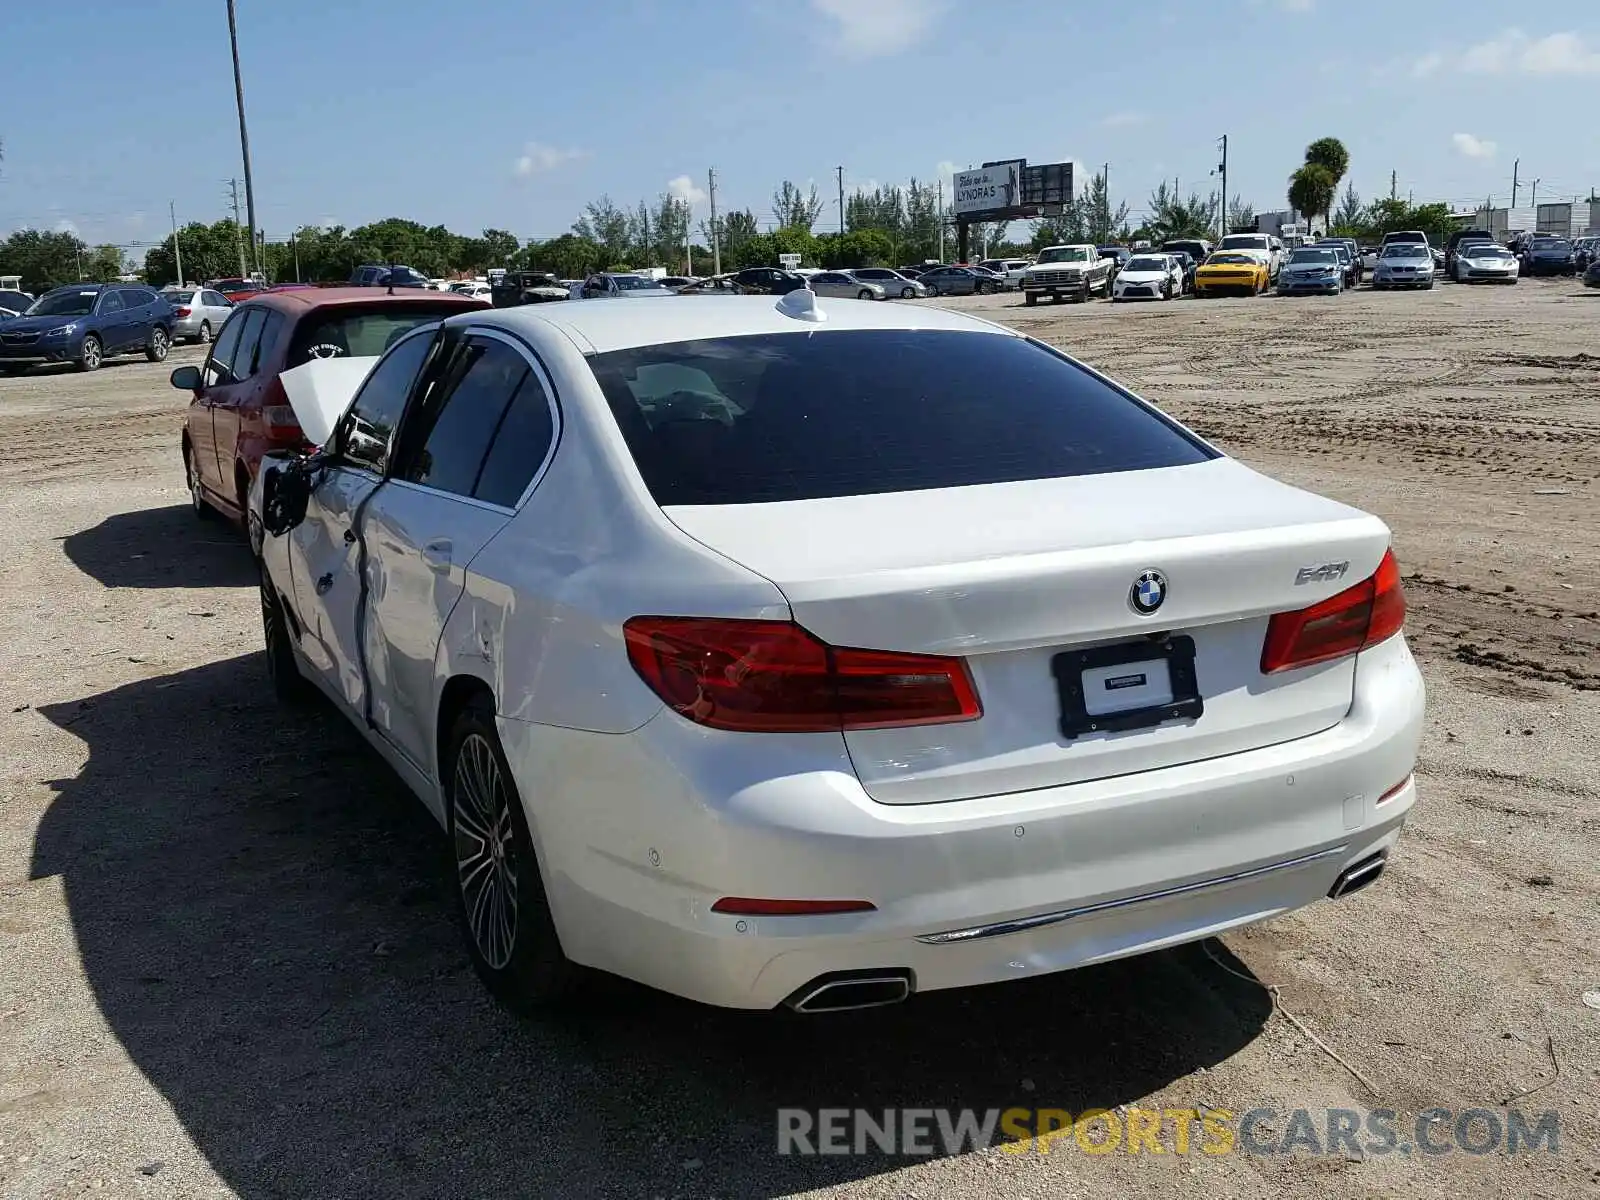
(1148, 591)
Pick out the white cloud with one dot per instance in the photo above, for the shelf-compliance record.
(1427, 65)
(686, 189)
(872, 28)
(1514, 52)
(945, 169)
(536, 157)
(66, 226)
(1472, 147)
(1123, 120)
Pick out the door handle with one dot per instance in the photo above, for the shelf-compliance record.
(324, 584)
(349, 537)
(437, 554)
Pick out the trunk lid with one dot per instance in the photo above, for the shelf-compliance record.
(1009, 576)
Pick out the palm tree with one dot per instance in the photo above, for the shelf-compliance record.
(1330, 153)
(1311, 190)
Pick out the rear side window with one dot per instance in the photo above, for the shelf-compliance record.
(359, 332)
(477, 390)
(244, 358)
(800, 416)
(224, 348)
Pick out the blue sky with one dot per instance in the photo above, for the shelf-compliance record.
(512, 113)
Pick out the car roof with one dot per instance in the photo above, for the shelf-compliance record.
(601, 326)
(302, 300)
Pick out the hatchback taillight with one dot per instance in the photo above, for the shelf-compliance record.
(1356, 618)
(776, 677)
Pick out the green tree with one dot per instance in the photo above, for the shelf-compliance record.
(1329, 153)
(1311, 190)
(44, 260)
(1175, 217)
(567, 257)
(1241, 215)
(208, 252)
(103, 264)
(1350, 215)
(858, 248)
(1100, 218)
(794, 209)
(883, 208)
(606, 225)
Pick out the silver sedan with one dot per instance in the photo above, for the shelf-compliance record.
(892, 282)
(198, 312)
(846, 286)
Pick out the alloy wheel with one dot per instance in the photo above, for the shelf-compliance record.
(159, 345)
(91, 353)
(205, 332)
(486, 851)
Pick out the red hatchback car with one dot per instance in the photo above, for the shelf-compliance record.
(240, 411)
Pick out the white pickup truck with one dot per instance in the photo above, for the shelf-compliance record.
(1075, 271)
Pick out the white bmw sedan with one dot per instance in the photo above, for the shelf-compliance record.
(786, 651)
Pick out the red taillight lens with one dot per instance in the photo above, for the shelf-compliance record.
(282, 425)
(775, 677)
(745, 906)
(182, 312)
(1356, 618)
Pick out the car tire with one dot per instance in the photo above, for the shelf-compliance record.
(289, 686)
(908, 293)
(863, 294)
(1029, 299)
(91, 354)
(191, 478)
(500, 896)
(1166, 290)
(933, 289)
(1429, 285)
(982, 289)
(204, 336)
(155, 350)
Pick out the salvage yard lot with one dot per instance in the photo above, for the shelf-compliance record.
(226, 957)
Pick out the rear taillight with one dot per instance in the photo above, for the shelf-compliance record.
(280, 420)
(182, 312)
(1356, 618)
(775, 677)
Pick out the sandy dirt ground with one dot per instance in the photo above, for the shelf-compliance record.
(228, 965)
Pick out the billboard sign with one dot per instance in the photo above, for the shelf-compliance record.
(1046, 184)
(987, 189)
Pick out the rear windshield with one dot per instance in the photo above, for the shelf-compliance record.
(1243, 241)
(800, 416)
(175, 297)
(359, 332)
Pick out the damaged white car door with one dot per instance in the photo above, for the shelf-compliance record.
(325, 552)
(479, 429)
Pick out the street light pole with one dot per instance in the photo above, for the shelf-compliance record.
(244, 135)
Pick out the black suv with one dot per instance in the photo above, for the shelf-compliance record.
(384, 275)
(526, 287)
(768, 281)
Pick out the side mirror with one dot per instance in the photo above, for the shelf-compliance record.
(186, 379)
(286, 492)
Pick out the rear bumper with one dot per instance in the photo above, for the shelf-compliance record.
(639, 834)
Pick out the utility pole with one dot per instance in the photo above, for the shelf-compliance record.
(238, 229)
(941, 219)
(841, 201)
(294, 244)
(244, 136)
(177, 250)
(1516, 163)
(1105, 185)
(1223, 217)
(716, 240)
(1394, 185)
(688, 251)
(1535, 201)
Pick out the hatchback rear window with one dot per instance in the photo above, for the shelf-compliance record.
(801, 416)
(359, 332)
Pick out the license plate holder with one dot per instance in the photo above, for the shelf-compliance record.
(1086, 682)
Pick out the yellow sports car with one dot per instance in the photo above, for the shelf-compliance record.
(1230, 271)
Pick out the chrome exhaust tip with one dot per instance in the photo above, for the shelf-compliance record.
(1353, 879)
(846, 990)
